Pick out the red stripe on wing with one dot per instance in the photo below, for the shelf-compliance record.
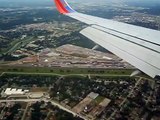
(60, 7)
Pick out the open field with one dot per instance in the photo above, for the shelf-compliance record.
(64, 71)
(39, 89)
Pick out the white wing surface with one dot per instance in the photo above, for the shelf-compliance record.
(137, 45)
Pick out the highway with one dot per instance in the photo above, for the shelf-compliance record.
(13, 48)
(19, 44)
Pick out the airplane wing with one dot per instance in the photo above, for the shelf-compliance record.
(138, 46)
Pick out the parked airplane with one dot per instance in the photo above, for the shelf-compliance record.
(137, 45)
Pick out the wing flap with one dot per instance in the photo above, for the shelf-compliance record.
(126, 50)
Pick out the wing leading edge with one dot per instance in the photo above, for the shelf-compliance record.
(137, 45)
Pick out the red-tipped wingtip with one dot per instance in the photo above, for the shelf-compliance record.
(60, 7)
(63, 7)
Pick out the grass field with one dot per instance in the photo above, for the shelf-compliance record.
(63, 71)
(99, 99)
(39, 89)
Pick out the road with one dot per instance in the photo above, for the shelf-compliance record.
(49, 113)
(53, 103)
(21, 100)
(25, 112)
(2, 113)
(19, 44)
(63, 75)
(137, 83)
(67, 110)
(2, 74)
(13, 48)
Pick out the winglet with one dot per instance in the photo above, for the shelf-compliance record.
(63, 7)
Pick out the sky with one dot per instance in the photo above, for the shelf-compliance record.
(79, 0)
(50, 2)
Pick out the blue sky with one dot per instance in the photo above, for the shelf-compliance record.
(50, 2)
(80, 0)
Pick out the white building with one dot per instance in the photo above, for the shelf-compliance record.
(14, 91)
